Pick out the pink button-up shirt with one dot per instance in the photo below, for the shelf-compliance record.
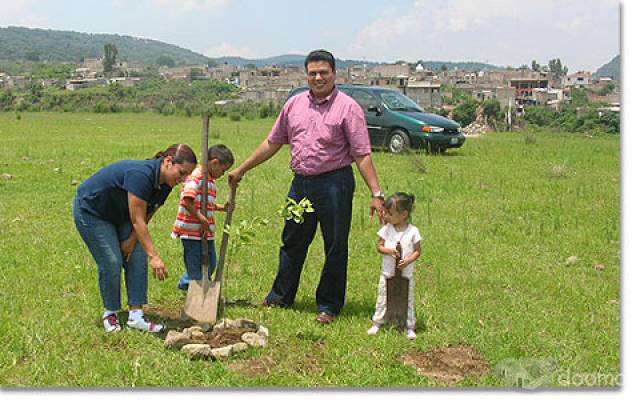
(323, 136)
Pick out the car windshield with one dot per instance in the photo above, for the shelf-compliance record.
(399, 102)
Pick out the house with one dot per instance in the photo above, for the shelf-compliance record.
(94, 65)
(75, 84)
(390, 70)
(187, 72)
(125, 81)
(525, 86)
(549, 97)
(580, 79)
(426, 94)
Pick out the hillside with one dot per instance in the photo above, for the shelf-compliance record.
(20, 44)
(610, 69)
(296, 59)
(46, 45)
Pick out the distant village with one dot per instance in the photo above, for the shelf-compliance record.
(516, 88)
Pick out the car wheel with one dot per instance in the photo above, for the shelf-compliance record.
(398, 142)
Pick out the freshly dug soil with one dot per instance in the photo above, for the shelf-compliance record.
(448, 365)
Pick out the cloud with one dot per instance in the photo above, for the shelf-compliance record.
(500, 30)
(215, 6)
(227, 49)
(20, 13)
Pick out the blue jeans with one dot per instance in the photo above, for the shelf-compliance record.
(331, 195)
(193, 261)
(103, 240)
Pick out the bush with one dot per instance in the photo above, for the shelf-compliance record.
(539, 115)
(492, 110)
(235, 116)
(104, 106)
(465, 113)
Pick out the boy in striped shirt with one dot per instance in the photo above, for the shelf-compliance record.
(190, 224)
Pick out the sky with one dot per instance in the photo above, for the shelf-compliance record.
(584, 34)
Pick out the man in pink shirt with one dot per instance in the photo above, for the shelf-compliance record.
(327, 132)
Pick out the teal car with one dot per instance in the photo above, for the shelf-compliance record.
(396, 123)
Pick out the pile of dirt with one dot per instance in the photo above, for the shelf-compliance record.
(448, 365)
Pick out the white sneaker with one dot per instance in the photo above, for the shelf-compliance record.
(111, 323)
(144, 325)
(411, 334)
(373, 330)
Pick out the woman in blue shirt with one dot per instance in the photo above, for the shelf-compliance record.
(112, 210)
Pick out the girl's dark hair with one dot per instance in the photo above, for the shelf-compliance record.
(222, 153)
(181, 153)
(320, 55)
(403, 201)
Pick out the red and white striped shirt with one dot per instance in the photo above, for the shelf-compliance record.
(187, 226)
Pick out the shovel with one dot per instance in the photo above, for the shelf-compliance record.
(397, 296)
(203, 296)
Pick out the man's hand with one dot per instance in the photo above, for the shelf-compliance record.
(377, 207)
(235, 177)
(159, 270)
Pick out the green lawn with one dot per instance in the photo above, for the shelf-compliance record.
(499, 218)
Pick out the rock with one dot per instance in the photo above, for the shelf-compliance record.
(7, 177)
(75, 182)
(572, 260)
(205, 327)
(254, 340)
(237, 323)
(263, 331)
(221, 352)
(176, 340)
(198, 336)
(194, 351)
(240, 346)
(190, 330)
(599, 267)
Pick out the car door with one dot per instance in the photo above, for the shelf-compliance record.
(373, 113)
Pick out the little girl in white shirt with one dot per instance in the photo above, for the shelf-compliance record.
(397, 229)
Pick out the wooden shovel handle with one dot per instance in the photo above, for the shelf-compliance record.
(399, 250)
(225, 236)
(205, 198)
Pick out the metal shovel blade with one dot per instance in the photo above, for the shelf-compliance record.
(202, 300)
(397, 301)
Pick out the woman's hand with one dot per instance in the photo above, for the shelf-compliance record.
(403, 263)
(127, 246)
(159, 270)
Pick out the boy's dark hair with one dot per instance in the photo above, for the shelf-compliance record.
(403, 201)
(181, 153)
(222, 153)
(320, 55)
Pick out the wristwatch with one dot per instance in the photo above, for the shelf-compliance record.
(378, 194)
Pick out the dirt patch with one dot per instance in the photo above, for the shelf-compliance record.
(171, 317)
(253, 368)
(448, 365)
(223, 336)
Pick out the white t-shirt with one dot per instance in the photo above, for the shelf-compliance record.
(408, 239)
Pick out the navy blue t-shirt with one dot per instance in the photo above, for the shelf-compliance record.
(105, 193)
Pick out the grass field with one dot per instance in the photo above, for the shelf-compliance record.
(499, 219)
